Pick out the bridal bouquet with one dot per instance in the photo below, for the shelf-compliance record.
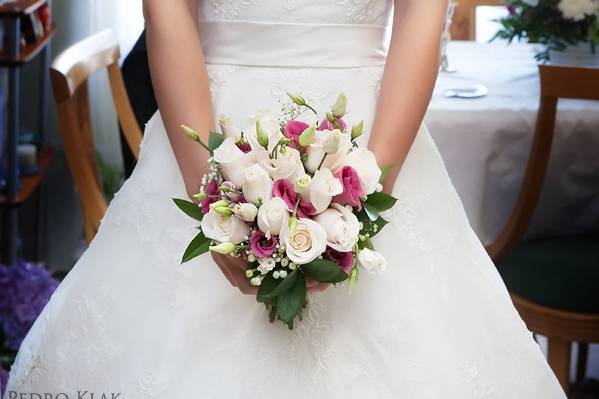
(297, 200)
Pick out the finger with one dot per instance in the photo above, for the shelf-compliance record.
(319, 287)
(311, 283)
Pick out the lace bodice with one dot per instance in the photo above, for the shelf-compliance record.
(313, 11)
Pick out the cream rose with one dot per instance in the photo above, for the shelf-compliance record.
(323, 187)
(342, 227)
(369, 173)
(286, 166)
(257, 186)
(329, 139)
(272, 216)
(233, 161)
(224, 228)
(306, 243)
(372, 261)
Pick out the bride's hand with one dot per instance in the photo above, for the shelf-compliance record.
(234, 270)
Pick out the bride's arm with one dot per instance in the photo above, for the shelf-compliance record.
(180, 81)
(408, 80)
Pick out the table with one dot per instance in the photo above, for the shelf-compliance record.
(485, 142)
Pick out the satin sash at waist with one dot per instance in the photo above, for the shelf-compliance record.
(293, 44)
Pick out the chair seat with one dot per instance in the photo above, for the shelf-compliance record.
(560, 273)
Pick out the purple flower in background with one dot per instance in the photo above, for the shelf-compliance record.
(3, 381)
(25, 288)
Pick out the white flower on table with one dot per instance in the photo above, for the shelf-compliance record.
(342, 227)
(577, 10)
(372, 261)
(307, 242)
(257, 187)
(224, 228)
(365, 164)
(272, 216)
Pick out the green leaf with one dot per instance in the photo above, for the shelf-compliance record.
(189, 208)
(291, 302)
(283, 286)
(373, 228)
(268, 285)
(198, 246)
(215, 140)
(381, 201)
(367, 243)
(371, 212)
(324, 271)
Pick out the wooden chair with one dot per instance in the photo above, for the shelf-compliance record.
(463, 26)
(70, 73)
(553, 282)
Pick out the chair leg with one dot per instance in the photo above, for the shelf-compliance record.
(581, 363)
(559, 360)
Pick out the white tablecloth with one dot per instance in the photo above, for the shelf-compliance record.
(485, 142)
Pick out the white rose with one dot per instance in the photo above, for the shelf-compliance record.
(301, 184)
(333, 161)
(577, 9)
(308, 241)
(257, 186)
(272, 216)
(286, 166)
(372, 261)
(246, 211)
(323, 187)
(228, 128)
(224, 228)
(233, 161)
(369, 173)
(342, 227)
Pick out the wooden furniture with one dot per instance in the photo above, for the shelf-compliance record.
(13, 56)
(552, 281)
(69, 73)
(463, 26)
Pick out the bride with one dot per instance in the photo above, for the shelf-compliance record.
(132, 322)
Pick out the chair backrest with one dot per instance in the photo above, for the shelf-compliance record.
(463, 26)
(70, 73)
(556, 82)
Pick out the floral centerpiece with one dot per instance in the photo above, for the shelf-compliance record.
(557, 24)
(299, 199)
(25, 289)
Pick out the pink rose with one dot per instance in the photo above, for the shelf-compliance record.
(345, 260)
(327, 125)
(261, 246)
(293, 129)
(210, 189)
(352, 189)
(284, 189)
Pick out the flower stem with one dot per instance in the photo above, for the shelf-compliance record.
(322, 162)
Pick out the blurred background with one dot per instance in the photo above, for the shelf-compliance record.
(484, 117)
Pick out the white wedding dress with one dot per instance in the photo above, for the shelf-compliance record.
(130, 319)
